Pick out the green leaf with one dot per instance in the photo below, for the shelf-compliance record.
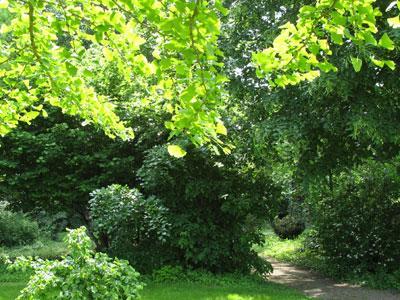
(221, 129)
(337, 38)
(357, 63)
(377, 62)
(391, 64)
(369, 38)
(394, 22)
(176, 151)
(71, 69)
(386, 42)
(338, 19)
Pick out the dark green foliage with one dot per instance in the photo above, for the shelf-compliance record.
(176, 274)
(216, 210)
(55, 164)
(128, 225)
(358, 223)
(288, 227)
(16, 228)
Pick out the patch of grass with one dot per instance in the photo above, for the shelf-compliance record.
(197, 291)
(10, 290)
(193, 291)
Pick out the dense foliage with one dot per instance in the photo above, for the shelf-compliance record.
(128, 225)
(217, 208)
(16, 228)
(358, 222)
(60, 163)
(83, 274)
(170, 48)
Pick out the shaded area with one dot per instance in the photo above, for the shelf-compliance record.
(316, 286)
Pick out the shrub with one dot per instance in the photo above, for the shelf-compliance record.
(83, 274)
(358, 222)
(128, 225)
(216, 210)
(288, 227)
(16, 228)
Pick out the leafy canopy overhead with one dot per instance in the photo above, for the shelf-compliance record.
(302, 50)
(169, 48)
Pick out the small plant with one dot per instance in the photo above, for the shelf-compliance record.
(16, 228)
(83, 274)
(288, 227)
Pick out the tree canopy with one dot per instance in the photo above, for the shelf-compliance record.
(170, 49)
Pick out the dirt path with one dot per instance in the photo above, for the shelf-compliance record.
(316, 286)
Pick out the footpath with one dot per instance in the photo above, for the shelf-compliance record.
(316, 286)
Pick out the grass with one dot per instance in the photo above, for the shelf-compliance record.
(197, 291)
(10, 290)
(193, 291)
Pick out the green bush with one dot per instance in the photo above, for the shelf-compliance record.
(288, 227)
(358, 222)
(83, 274)
(128, 225)
(216, 212)
(16, 228)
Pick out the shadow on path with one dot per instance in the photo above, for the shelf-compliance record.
(316, 286)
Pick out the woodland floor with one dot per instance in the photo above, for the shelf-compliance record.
(317, 286)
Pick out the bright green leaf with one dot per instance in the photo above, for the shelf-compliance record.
(176, 151)
(391, 64)
(394, 22)
(357, 63)
(377, 62)
(386, 42)
(221, 129)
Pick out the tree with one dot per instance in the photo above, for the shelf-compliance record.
(170, 48)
